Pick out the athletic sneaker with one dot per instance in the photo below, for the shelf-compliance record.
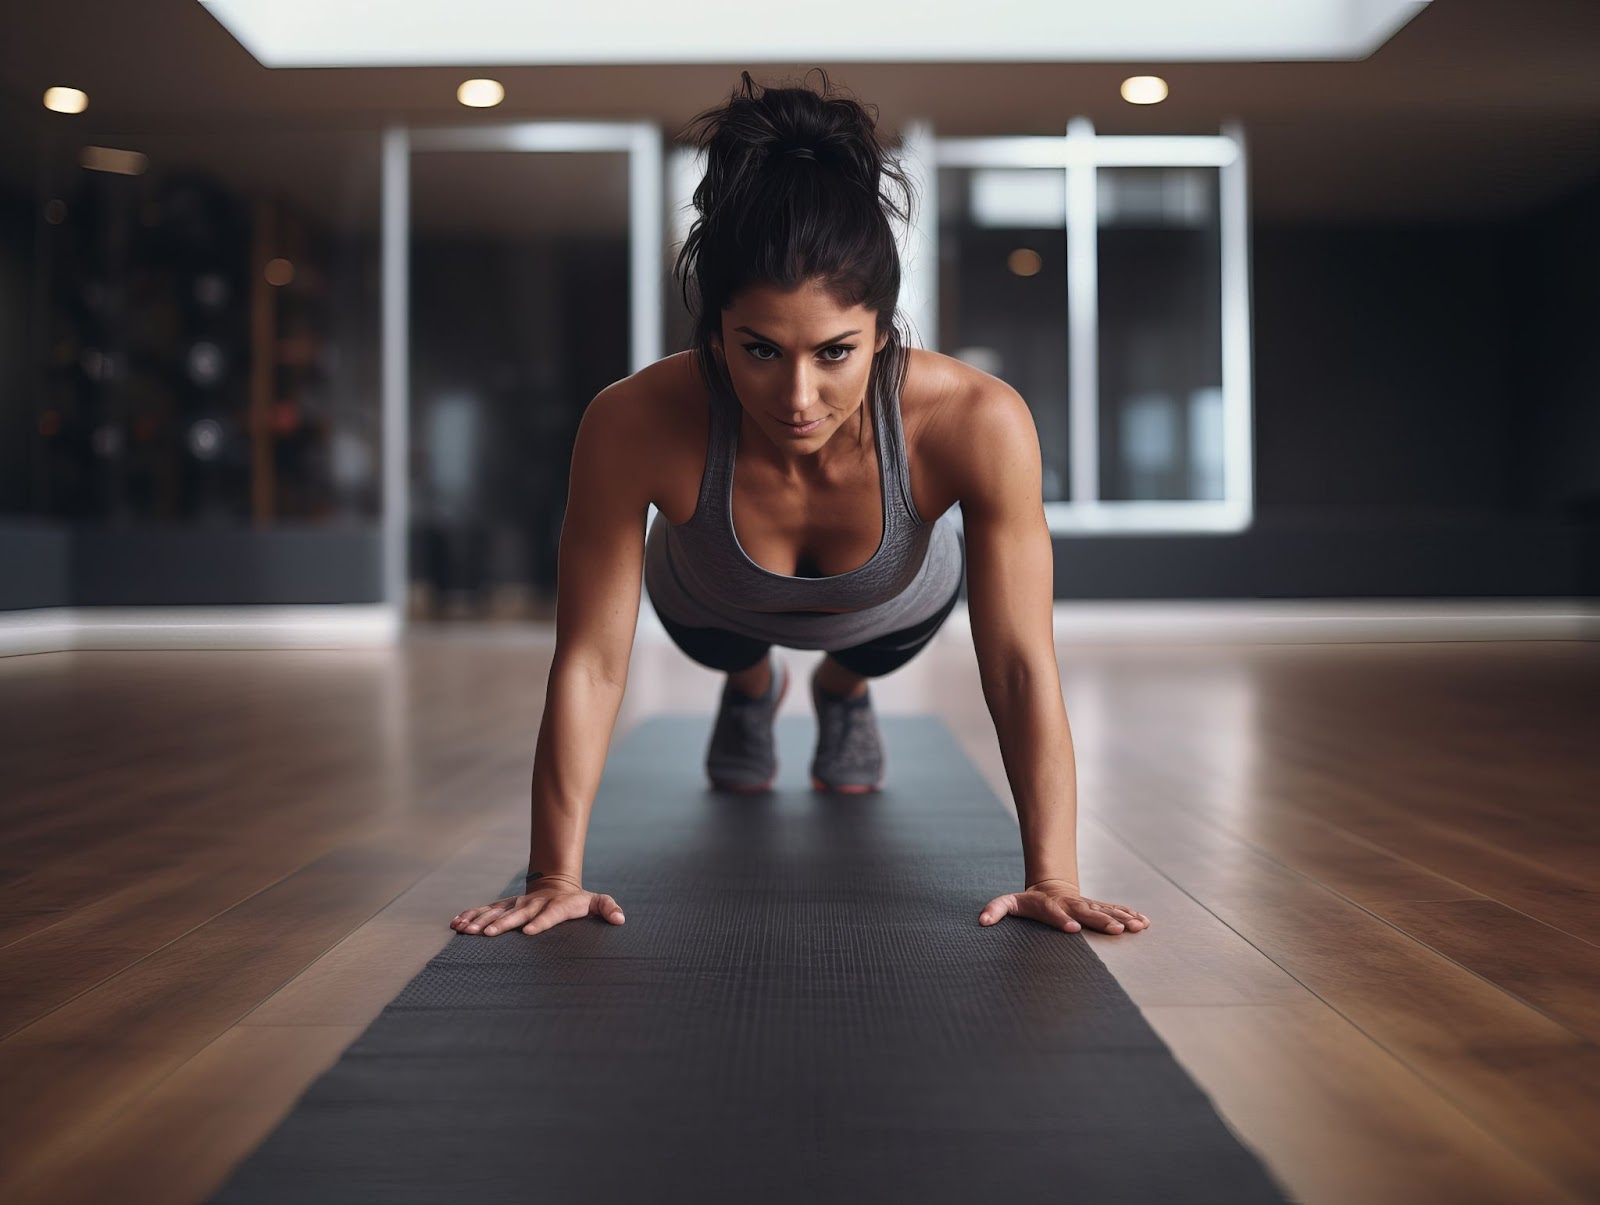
(849, 756)
(742, 755)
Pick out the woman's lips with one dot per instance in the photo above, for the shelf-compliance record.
(802, 428)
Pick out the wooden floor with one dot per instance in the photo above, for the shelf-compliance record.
(1371, 872)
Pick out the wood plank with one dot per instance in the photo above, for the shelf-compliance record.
(83, 1062)
(1338, 1118)
(191, 1130)
(1547, 969)
(1480, 1047)
(353, 981)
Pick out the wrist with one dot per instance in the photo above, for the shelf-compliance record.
(1072, 883)
(535, 877)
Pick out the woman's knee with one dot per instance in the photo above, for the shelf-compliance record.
(726, 652)
(868, 664)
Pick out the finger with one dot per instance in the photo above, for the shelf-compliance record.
(511, 918)
(604, 905)
(477, 916)
(485, 915)
(1001, 905)
(1128, 916)
(1092, 913)
(563, 908)
(1053, 912)
(1061, 917)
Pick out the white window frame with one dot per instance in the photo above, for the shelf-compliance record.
(1080, 154)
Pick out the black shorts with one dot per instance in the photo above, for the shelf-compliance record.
(719, 649)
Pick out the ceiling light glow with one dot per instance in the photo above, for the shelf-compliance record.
(1024, 261)
(1144, 89)
(65, 100)
(481, 93)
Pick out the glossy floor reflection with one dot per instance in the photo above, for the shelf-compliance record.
(1371, 871)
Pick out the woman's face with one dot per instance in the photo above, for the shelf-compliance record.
(798, 360)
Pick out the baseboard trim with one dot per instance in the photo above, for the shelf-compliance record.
(1299, 621)
(1317, 621)
(64, 629)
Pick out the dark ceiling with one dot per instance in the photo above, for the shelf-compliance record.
(1476, 110)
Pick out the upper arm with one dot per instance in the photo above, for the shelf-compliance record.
(601, 557)
(1010, 561)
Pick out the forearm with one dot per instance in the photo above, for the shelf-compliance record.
(1030, 721)
(580, 712)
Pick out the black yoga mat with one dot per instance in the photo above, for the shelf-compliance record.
(801, 1007)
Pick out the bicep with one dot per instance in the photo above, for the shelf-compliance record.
(601, 556)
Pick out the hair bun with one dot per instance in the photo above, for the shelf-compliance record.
(762, 220)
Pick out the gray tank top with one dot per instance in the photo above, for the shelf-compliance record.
(698, 575)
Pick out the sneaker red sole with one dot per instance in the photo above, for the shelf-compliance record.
(849, 788)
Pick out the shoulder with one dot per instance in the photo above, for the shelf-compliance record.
(974, 430)
(642, 426)
(647, 415)
(647, 402)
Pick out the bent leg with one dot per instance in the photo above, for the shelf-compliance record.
(849, 756)
(889, 652)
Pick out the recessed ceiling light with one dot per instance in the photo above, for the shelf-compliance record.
(1144, 89)
(65, 100)
(481, 93)
(1025, 261)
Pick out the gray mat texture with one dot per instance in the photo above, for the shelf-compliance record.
(801, 1007)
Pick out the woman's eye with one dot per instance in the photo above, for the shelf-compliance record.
(757, 350)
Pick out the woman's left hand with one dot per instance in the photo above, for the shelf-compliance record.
(1058, 904)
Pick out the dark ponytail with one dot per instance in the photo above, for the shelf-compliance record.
(797, 187)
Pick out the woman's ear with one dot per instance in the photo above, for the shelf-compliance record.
(883, 341)
(716, 349)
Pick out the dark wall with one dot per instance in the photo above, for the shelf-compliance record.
(1427, 421)
(16, 281)
(53, 564)
(224, 566)
(1383, 368)
(1555, 319)
(35, 564)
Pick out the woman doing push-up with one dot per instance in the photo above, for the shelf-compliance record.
(803, 460)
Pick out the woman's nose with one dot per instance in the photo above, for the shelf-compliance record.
(799, 392)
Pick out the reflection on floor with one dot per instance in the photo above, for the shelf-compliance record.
(1371, 871)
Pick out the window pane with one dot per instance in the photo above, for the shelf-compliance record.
(1003, 291)
(1160, 404)
(519, 316)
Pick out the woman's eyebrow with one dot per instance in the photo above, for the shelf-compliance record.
(818, 347)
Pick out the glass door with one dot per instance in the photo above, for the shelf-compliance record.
(532, 261)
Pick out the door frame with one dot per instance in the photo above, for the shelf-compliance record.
(641, 141)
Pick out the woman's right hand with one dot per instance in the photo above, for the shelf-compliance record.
(550, 903)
